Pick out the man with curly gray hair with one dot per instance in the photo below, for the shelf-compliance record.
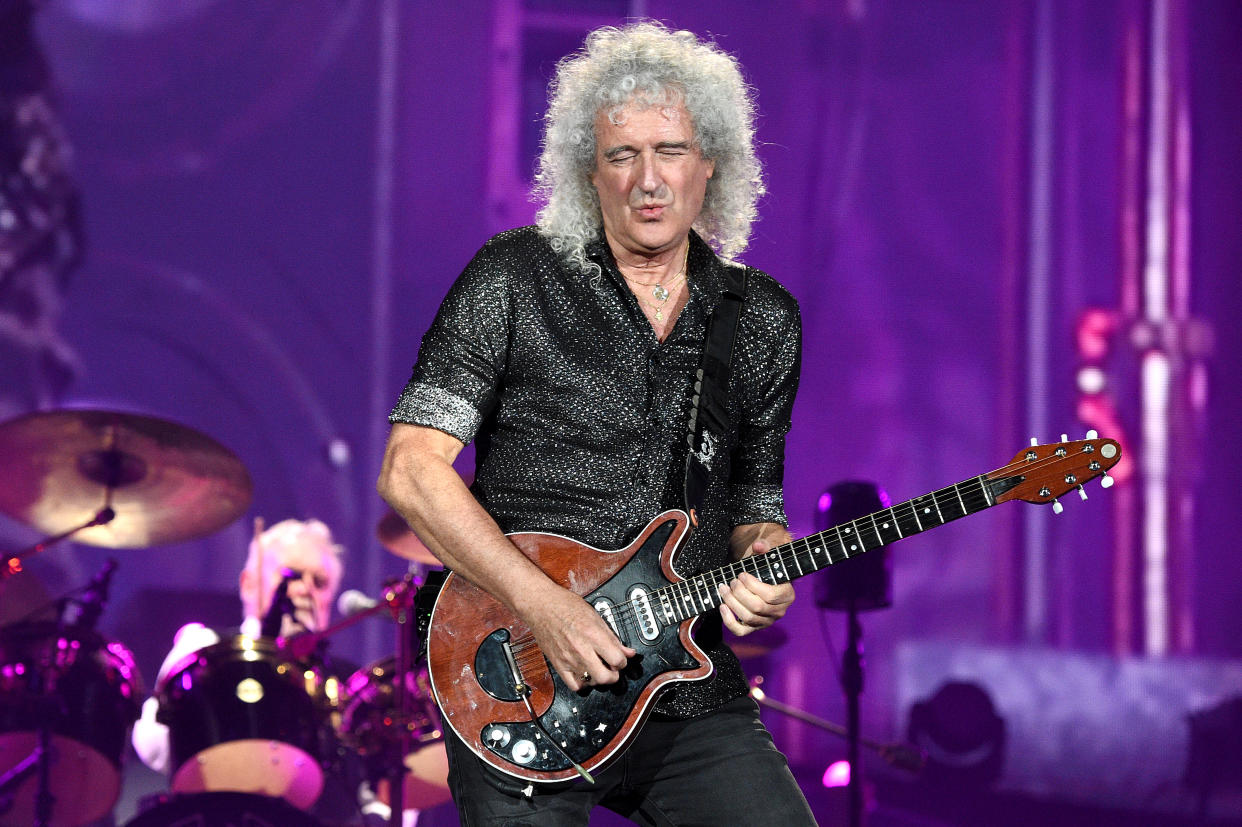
(568, 352)
(651, 66)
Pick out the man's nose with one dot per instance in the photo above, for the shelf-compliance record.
(648, 176)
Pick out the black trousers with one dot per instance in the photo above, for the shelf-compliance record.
(718, 769)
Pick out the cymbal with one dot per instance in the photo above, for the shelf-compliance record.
(401, 540)
(164, 481)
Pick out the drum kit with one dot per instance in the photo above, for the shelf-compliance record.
(253, 723)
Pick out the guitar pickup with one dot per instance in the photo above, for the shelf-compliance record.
(604, 607)
(644, 615)
(636, 614)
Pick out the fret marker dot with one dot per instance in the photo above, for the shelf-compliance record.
(926, 510)
(853, 548)
(886, 525)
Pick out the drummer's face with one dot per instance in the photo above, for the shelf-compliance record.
(313, 592)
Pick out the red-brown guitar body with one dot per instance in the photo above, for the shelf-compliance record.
(473, 682)
(485, 667)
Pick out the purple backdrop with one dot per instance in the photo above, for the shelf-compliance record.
(277, 195)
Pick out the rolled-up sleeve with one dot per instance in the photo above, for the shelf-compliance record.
(462, 357)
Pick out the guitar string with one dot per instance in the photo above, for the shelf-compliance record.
(626, 613)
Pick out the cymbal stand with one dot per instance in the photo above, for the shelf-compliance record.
(36, 761)
(403, 614)
(13, 562)
(40, 758)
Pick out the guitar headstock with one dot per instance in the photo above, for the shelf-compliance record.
(1042, 473)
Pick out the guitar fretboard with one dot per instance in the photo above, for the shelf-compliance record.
(696, 595)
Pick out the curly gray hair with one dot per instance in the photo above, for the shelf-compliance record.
(653, 66)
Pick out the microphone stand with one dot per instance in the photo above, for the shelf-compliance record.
(852, 679)
(900, 756)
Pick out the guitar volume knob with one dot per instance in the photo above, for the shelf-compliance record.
(497, 737)
(523, 751)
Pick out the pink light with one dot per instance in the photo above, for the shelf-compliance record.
(837, 774)
(825, 502)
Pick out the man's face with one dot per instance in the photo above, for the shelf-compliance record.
(313, 589)
(650, 176)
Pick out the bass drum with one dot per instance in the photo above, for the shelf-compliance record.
(242, 717)
(371, 724)
(87, 692)
(221, 810)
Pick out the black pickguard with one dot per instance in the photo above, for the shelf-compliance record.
(583, 722)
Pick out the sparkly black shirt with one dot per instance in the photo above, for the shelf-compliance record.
(579, 412)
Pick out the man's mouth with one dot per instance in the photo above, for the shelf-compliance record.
(651, 211)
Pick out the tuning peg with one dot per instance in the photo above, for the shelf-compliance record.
(1065, 437)
(1057, 508)
(1093, 434)
(1082, 492)
(1034, 442)
(1106, 481)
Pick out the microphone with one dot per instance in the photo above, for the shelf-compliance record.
(280, 605)
(95, 596)
(352, 602)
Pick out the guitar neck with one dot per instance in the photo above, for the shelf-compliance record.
(797, 558)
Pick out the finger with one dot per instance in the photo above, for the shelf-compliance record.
(772, 594)
(731, 622)
(736, 605)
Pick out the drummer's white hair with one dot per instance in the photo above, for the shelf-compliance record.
(648, 65)
(292, 532)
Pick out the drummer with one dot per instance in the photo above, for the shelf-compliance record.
(306, 549)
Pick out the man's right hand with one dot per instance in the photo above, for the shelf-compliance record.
(575, 639)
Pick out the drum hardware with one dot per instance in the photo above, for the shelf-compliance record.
(39, 760)
(243, 717)
(383, 717)
(216, 808)
(39, 693)
(371, 726)
(67, 699)
(115, 480)
(402, 606)
(13, 562)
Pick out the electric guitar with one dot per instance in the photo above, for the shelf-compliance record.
(497, 691)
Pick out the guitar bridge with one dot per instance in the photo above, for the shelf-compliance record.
(496, 669)
(519, 683)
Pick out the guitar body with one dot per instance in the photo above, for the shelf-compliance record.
(485, 668)
(473, 680)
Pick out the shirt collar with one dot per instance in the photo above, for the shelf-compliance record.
(704, 268)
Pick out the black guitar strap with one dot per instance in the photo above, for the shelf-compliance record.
(709, 409)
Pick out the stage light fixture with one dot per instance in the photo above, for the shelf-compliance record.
(964, 737)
